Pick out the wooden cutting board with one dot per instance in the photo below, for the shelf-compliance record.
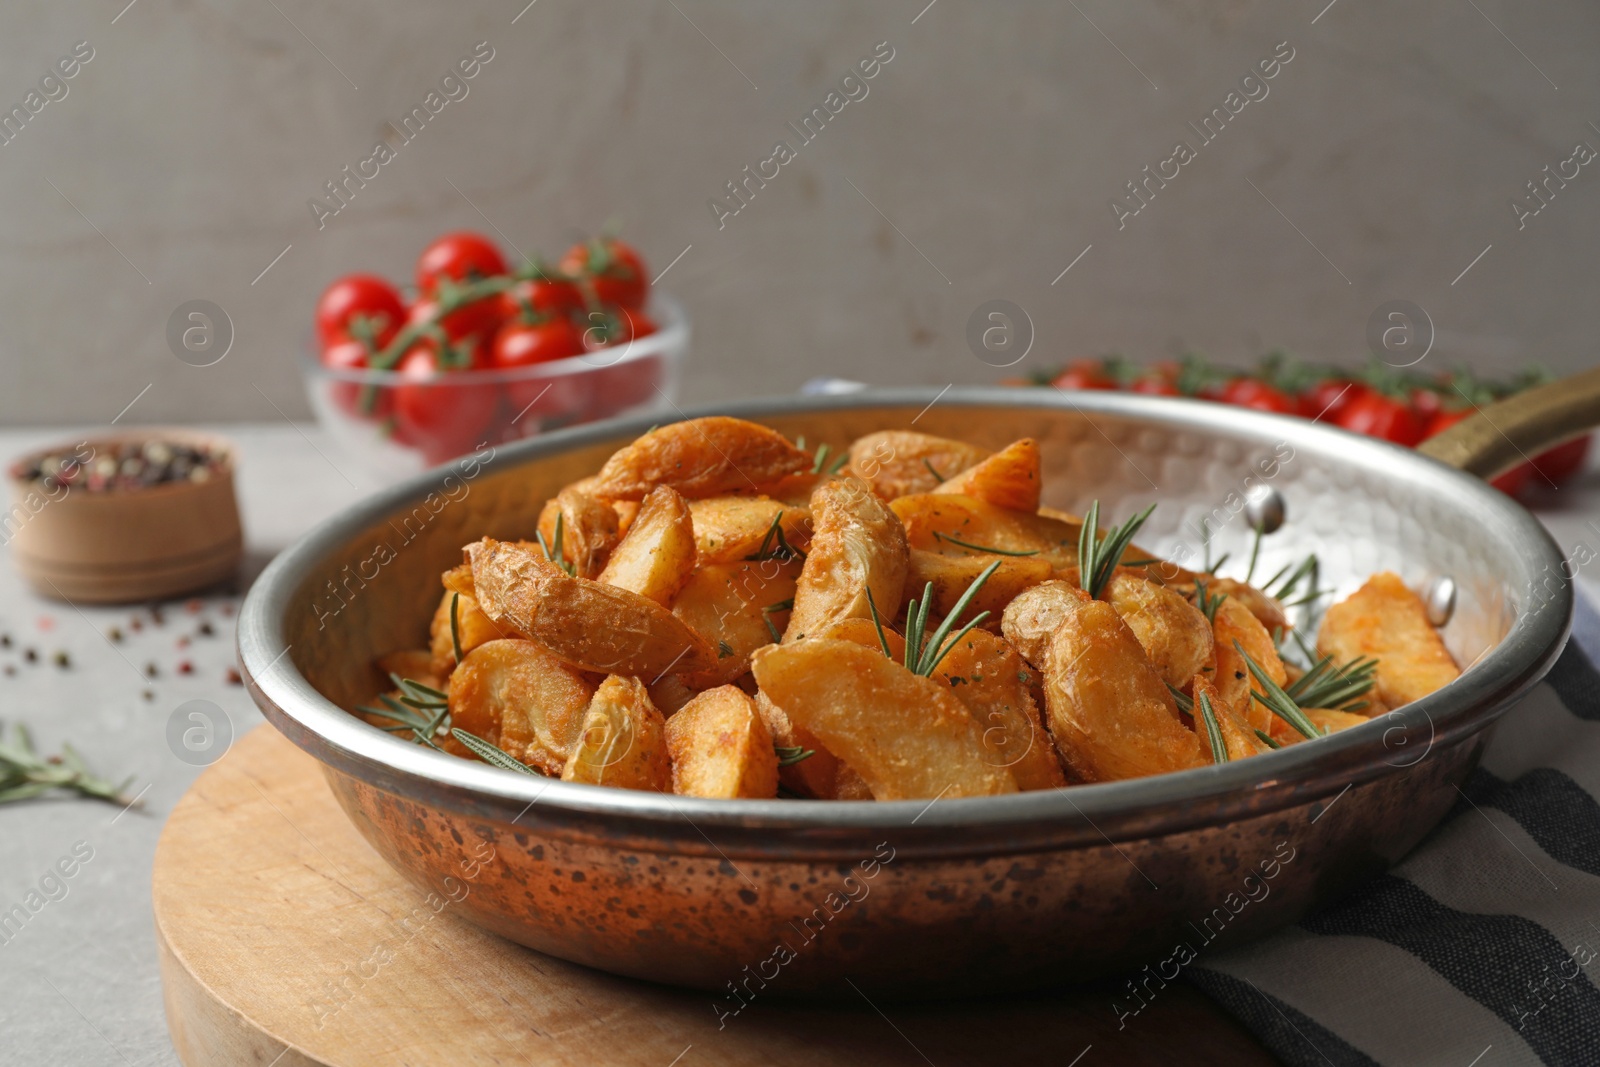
(287, 942)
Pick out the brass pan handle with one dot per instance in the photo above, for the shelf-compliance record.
(1516, 429)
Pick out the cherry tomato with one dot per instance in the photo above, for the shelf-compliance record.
(1328, 398)
(445, 414)
(460, 257)
(363, 401)
(1155, 385)
(1084, 374)
(621, 327)
(543, 296)
(479, 319)
(1378, 415)
(1426, 403)
(611, 270)
(1561, 463)
(520, 345)
(1257, 394)
(359, 294)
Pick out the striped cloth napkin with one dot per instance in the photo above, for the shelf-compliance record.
(1482, 949)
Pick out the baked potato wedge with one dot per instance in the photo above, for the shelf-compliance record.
(1110, 713)
(516, 695)
(656, 557)
(857, 545)
(995, 684)
(1235, 623)
(720, 747)
(622, 741)
(1175, 635)
(817, 775)
(955, 525)
(588, 530)
(904, 734)
(585, 624)
(898, 462)
(736, 608)
(1238, 738)
(951, 575)
(728, 529)
(1387, 620)
(473, 628)
(711, 456)
(1008, 479)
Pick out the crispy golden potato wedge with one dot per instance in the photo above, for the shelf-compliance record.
(951, 575)
(736, 608)
(857, 545)
(1008, 479)
(796, 490)
(720, 747)
(1237, 735)
(904, 734)
(657, 554)
(729, 529)
(585, 624)
(995, 684)
(1110, 713)
(816, 776)
(1267, 610)
(898, 462)
(473, 628)
(413, 663)
(669, 693)
(588, 529)
(1387, 620)
(849, 785)
(514, 694)
(622, 741)
(712, 456)
(863, 632)
(1175, 635)
(955, 525)
(1033, 617)
(1234, 622)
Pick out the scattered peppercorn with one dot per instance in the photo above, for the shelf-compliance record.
(194, 606)
(5, 640)
(156, 615)
(11, 670)
(183, 642)
(185, 667)
(232, 676)
(149, 694)
(31, 656)
(63, 660)
(151, 670)
(136, 625)
(206, 629)
(115, 635)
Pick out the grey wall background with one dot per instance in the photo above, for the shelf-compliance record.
(980, 165)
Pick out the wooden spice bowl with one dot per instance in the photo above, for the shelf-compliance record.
(121, 545)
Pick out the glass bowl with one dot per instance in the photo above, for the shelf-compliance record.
(463, 411)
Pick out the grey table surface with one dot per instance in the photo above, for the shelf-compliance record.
(78, 982)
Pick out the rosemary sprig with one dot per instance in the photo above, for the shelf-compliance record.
(1255, 552)
(1275, 699)
(877, 624)
(1206, 602)
(970, 546)
(820, 464)
(553, 552)
(924, 653)
(789, 755)
(1099, 556)
(24, 774)
(928, 463)
(1325, 685)
(455, 626)
(1266, 739)
(774, 545)
(492, 754)
(1184, 701)
(421, 710)
(1219, 747)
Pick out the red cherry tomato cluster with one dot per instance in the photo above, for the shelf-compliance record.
(471, 312)
(1406, 408)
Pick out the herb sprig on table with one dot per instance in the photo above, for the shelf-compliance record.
(25, 774)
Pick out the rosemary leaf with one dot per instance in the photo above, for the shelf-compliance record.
(1275, 699)
(877, 624)
(1184, 701)
(455, 626)
(492, 754)
(1219, 748)
(1267, 740)
(984, 548)
(788, 755)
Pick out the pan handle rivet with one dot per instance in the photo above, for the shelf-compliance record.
(1264, 508)
(1440, 598)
